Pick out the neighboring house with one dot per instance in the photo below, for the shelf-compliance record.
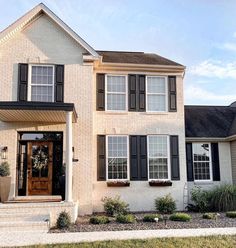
(77, 123)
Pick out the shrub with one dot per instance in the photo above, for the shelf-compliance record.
(165, 204)
(209, 216)
(99, 220)
(64, 220)
(4, 169)
(231, 214)
(180, 217)
(115, 206)
(201, 199)
(151, 217)
(223, 198)
(129, 218)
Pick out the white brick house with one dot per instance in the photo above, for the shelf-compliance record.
(109, 118)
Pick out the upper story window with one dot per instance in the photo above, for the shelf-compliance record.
(158, 157)
(156, 96)
(117, 157)
(202, 161)
(116, 93)
(41, 83)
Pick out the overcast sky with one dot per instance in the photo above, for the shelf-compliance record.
(200, 34)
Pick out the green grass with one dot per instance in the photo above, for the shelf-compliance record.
(196, 242)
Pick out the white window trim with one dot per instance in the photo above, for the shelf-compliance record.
(161, 94)
(30, 79)
(128, 166)
(168, 157)
(210, 163)
(126, 93)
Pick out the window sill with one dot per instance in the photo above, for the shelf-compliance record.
(160, 183)
(118, 184)
(115, 112)
(203, 183)
(156, 113)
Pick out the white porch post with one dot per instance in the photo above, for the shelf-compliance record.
(68, 196)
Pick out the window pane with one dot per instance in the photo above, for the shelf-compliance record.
(116, 84)
(42, 75)
(116, 101)
(158, 168)
(41, 93)
(156, 85)
(201, 158)
(156, 102)
(117, 157)
(157, 146)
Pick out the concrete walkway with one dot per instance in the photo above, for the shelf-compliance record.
(8, 239)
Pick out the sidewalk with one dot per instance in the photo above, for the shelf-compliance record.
(8, 239)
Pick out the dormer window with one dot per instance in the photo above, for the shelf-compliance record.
(41, 83)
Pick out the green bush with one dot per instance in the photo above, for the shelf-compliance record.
(125, 219)
(115, 206)
(4, 169)
(151, 217)
(64, 220)
(231, 214)
(165, 204)
(99, 220)
(180, 217)
(209, 216)
(201, 199)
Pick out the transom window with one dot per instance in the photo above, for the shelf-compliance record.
(117, 157)
(158, 157)
(201, 161)
(116, 93)
(41, 88)
(156, 93)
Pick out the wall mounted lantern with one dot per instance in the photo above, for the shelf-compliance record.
(4, 152)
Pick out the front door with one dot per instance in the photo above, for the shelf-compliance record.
(39, 168)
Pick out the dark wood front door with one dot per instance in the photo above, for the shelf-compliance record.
(39, 168)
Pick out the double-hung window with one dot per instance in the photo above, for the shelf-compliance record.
(117, 157)
(41, 83)
(158, 157)
(202, 161)
(156, 93)
(116, 93)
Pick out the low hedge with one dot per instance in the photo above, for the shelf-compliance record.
(151, 217)
(125, 219)
(231, 214)
(209, 216)
(180, 217)
(99, 220)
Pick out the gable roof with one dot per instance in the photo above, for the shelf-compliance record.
(135, 58)
(33, 14)
(210, 121)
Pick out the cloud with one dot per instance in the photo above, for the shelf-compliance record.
(214, 68)
(234, 34)
(229, 46)
(196, 93)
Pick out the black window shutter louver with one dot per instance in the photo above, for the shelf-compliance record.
(132, 92)
(174, 156)
(189, 158)
(172, 93)
(141, 93)
(215, 161)
(59, 83)
(101, 158)
(138, 158)
(100, 92)
(22, 82)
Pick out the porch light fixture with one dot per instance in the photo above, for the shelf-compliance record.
(4, 152)
(73, 155)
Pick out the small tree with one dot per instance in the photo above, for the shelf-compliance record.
(4, 169)
(64, 220)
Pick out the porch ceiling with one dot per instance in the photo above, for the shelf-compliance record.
(36, 112)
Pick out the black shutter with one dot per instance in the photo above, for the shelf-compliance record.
(100, 92)
(172, 94)
(138, 158)
(137, 93)
(22, 82)
(189, 158)
(174, 156)
(215, 161)
(59, 83)
(101, 158)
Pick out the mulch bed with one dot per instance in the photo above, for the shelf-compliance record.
(83, 225)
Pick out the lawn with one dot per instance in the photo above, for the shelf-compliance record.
(196, 242)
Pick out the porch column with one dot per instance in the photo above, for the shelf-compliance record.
(68, 196)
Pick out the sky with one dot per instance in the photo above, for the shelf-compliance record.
(200, 34)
